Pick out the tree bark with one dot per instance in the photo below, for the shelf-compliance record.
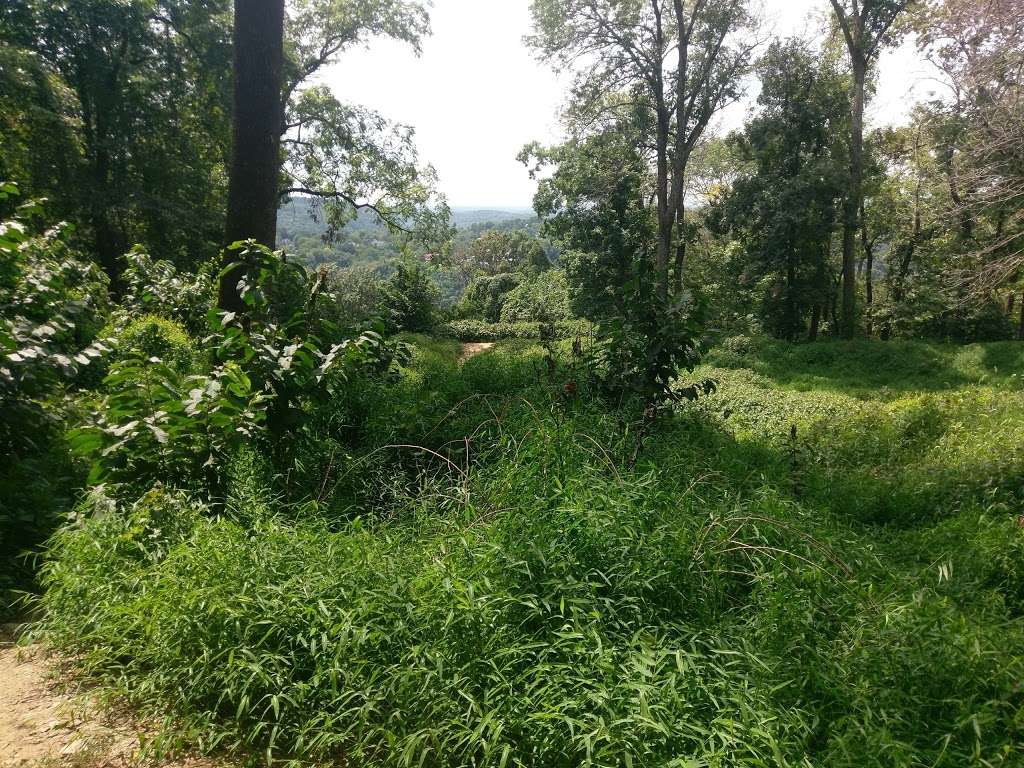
(1020, 327)
(812, 333)
(854, 198)
(255, 155)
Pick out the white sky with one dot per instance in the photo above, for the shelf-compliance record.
(477, 95)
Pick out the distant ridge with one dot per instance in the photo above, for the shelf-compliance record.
(296, 217)
(465, 216)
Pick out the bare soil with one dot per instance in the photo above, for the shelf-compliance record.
(44, 726)
(474, 348)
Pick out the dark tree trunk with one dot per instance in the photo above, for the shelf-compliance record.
(255, 154)
(854, 197)
(1009, 305)
(869, 267)
(1020, 327)
(833, 308)
(792, 311)
(812, 333)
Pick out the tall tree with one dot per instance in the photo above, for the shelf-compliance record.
(978, 45)
(707, 78)
(626, 46)
(255, 153)
(867, 26)
(150, 133)
(348, 158)
(783, 204)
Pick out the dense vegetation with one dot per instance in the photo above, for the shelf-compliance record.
(739, 482)
(809, 568)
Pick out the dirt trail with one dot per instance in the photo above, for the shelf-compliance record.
(470, 349)
(43, 727)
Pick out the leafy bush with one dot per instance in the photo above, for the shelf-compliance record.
(153, 336)
(485, 295)
(410, 299)
(637, 356)
(158, 288)
(359, 293)
(157, 425)
(543, 297)
(529, 596)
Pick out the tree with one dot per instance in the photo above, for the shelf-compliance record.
(783, 204)
(979, 47)
(867, 26)
(144, 83)
(348, 158)
(707, 78)
(345, 158)
(255, 153)
(495, 252)
(38, 145)
(410, 298)
(592, 196)
(626, 46)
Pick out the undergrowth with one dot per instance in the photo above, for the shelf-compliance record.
(799, 570)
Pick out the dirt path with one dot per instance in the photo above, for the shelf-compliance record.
(473, 348)
(43, 727)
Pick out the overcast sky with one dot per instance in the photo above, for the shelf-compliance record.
(477, 95)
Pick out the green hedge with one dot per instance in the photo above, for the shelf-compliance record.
(479, 330)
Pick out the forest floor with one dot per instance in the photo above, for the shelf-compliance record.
(44, 726)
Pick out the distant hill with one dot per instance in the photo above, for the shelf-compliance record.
(467, 217)
(366, 241)
(298, 219)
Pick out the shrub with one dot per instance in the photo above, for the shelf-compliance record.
(152, 336)
(485, 295)
(359, 293)
(543, 297)
(158, 288)
(410, 299)
(155, 424)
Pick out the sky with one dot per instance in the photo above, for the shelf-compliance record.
(477, 94)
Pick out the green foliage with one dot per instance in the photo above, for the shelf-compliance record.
(736, 596)
(156, 424)
(410, 299)
(637, 358)
(541, 298)
(485, 295)
(151, 119)
(478, 330)
(496, 251)
(358, 293)
(51, 308)
(51, 302)
(37, 140)
(153, 336)
(157, 287)
(349, 154)
(784, 204)
(593, 205)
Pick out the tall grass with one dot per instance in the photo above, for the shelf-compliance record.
(493, 580)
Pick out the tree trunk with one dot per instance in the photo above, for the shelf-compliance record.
(1009, 304)
(869, 267)
(665, 213)
(854, 197)
(869, 258)
(681, 156)
(812, 333)
(255, 155)
(1020, 327)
